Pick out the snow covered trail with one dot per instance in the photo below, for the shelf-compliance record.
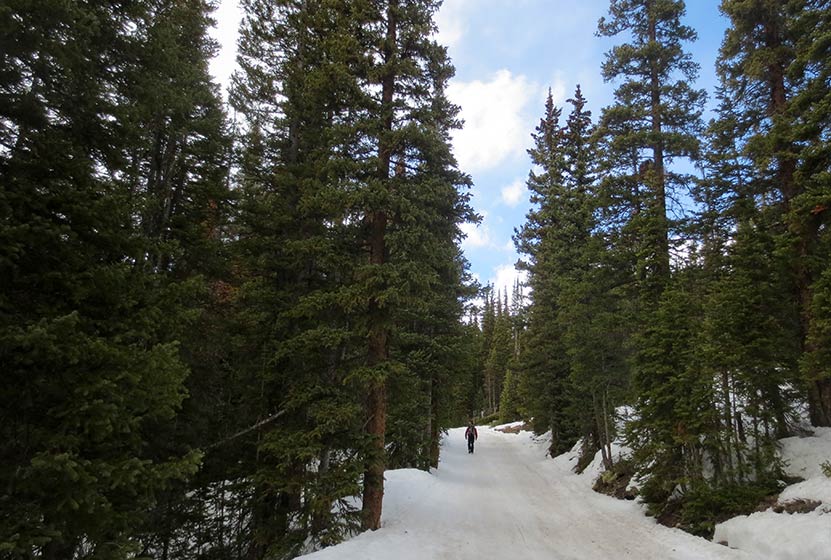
(507, 501)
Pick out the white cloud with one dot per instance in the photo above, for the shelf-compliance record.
(505, 276)
(450, 21)
(476, 235)
(513, 193)
(558, 93)
(496, 124)
(228, 15)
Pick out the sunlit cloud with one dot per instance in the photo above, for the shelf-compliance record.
(228, 15)
(496, 120)
(505, 277)
(514, 193)
(450, 20)
(476, 235)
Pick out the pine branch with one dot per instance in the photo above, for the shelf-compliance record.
(247, 430)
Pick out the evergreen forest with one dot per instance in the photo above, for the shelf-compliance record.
(222, 321)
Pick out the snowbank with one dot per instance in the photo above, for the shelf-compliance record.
(779, 535)
(804, 455)
(509, 425)
(816, 489)
(790, 536)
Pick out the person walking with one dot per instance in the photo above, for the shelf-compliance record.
(471, 435)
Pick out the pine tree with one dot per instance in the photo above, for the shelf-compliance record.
(808, 217)
(94, 303)
(545, 370)
(298, 254)
(654, 121)
(593, 311)
(499, 356)
(741, 277)
(773, 50)
(575, 309)
(357, 196)
(416, 181)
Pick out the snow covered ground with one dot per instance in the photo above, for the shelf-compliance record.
(795, 536)
(508, 501)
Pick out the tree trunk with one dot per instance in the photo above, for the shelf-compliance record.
(373, 494)
(378, 353)
(607, 438)
(320, 519)
(434, 423)
(727, 418)
(819, 391)
(657, 181)
(820, 402)
(58, 549)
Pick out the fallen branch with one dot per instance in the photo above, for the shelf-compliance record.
(247, 430)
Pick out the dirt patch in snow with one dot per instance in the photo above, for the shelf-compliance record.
(524, 427)
(670, 515)
(616, 481)
(797, 506)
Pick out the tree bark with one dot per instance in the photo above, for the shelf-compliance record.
(819, 390)
(373, 494)
(58, 549)
(819, 395)
(434, 422)
(657, 181)
(378, 348)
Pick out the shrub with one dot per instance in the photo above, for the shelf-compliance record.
(704, 507)
(490, 419)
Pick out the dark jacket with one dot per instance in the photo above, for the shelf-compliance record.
(471, 433)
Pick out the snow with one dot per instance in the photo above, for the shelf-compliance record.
(791, 536)
(818, 489)
(508, 500)
(798, 536)
(804, 455)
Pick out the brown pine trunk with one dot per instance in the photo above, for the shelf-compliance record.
(657, 182)
(819, 393)
(434, 423)
(727, 418)
(58, 549)
(373, 495)
(819, 390)
(378, 349)
(376, 402)
(320, 519)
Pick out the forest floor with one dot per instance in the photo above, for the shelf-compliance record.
(509, 501)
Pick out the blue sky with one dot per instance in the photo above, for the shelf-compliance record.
(507, 53)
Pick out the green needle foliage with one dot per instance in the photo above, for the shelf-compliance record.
(215, 339)
(112, 173)
(718, 318)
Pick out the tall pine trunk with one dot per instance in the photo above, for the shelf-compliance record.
(434, 422)
(373, 494)
(819, 390)
(657, 180)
